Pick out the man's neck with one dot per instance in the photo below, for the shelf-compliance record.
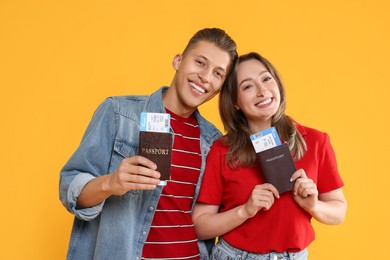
(171, 102)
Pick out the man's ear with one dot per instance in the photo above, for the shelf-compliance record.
(176, 61)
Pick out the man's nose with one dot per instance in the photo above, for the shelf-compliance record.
(205, 75)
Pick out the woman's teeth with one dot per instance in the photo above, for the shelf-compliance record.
(265, 102)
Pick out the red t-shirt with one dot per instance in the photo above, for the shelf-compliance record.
(172, 233)
(284, 227)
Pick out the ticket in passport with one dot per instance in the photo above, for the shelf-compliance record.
(155, 122)
(265, 139)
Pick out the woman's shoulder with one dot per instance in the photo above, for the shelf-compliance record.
(220, 143)
(218, 150)
(311, 133)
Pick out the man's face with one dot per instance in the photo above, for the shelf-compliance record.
(200, 74)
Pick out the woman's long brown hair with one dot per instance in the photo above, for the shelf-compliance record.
(241, 151)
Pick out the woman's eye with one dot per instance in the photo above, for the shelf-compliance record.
(268, 78)
(246, 87)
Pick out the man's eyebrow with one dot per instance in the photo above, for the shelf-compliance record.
(208, 60)
(202, 56)
(221, 68)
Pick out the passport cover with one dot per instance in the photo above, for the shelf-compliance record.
(157, 147)
(277, 166)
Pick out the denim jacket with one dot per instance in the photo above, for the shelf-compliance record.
(118, 227)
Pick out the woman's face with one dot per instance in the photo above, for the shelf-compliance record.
(258, 95)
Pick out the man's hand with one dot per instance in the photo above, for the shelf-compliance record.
(134, 173)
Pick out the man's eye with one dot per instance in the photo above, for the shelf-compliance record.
(218, 75)
(199, 62)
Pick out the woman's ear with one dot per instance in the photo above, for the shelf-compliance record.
(237, 107)
(176, 61)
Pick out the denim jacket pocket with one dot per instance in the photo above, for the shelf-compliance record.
(123, 149)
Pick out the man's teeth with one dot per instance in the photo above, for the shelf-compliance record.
(264, 102)
(197, 87)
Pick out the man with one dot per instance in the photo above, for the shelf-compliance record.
(121, 211)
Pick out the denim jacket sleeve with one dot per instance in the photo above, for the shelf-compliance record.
(90, 160)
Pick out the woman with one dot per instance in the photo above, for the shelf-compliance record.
(251, 218)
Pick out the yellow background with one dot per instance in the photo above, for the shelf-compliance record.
(60, 59)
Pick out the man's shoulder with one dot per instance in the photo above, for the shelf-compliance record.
(127, 105)
(150, 102)
(129, 98)
(207, 127)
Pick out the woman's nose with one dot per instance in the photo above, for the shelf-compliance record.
(261, 91)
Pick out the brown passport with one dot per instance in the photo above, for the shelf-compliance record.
(277, 166)
(157, 147)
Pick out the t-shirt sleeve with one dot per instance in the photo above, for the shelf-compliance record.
(328, 175)
(211, 189)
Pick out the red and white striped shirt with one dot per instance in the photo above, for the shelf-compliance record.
(172, 234)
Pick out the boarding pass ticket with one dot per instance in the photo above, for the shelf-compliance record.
(155, 122)
(265, 139)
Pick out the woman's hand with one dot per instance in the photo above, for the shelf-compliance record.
(305, 191)
(328, 208)
(262, 197)
(210, 223)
